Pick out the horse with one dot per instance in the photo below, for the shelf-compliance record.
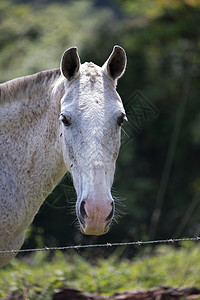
(59, 120)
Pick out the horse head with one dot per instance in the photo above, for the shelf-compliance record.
(92, 114)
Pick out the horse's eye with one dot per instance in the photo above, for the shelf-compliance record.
(121, 119)
(66, 121)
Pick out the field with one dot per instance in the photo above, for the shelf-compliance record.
(36, 276)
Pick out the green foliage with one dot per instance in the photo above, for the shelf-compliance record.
(43, 34)
(38, 276)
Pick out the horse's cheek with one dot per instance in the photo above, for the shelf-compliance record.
(68, 153)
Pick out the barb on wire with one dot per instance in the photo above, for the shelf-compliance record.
(136, 243)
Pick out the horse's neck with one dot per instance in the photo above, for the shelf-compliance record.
(29, 133)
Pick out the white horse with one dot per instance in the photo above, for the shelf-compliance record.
(60, 120)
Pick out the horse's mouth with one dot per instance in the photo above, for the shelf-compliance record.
(93, 231)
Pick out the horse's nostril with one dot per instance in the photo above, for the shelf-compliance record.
(109, 217)
(83, 213)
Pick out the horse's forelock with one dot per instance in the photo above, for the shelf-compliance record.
(91, 71)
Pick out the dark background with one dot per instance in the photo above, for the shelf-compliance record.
(158, 169)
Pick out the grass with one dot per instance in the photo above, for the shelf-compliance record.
(37, 277)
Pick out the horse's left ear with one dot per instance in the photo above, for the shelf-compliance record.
(115, 65)
(70, 63)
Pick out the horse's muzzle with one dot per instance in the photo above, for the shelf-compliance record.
(95, 218)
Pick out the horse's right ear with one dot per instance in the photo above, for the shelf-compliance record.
(70, 63)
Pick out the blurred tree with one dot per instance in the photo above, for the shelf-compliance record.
(167, 33)
(43, 34)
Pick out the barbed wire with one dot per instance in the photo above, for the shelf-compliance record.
(134, 243)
